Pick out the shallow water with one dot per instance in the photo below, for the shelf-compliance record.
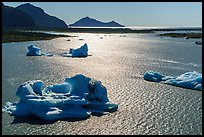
(119, 62)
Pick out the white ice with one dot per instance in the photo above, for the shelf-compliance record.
(80, 52)
(77, 97)
(35, 51)
(190, 80)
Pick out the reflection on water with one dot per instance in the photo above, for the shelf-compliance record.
(119, 62)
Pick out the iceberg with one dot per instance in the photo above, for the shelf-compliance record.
(198, 42)
(153, 76)
(80, 52)
(77, 97)
(190, 80)
(35, 51)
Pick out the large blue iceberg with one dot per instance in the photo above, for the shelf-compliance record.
(190, 80)
(77, 97)
(80, 52)
(35, 51)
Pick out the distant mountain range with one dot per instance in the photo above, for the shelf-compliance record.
(90, 22)
(41, 18)
(29, 16)
(12, 17)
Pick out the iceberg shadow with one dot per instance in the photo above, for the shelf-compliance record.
(82, 57)
(70, 56)
(99, 114)
(34, 120)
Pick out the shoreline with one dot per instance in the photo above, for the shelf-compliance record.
(20, 36)
(26, 34)
(182, 35)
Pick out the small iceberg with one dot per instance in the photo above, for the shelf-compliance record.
(35, 51)
(198, 42)
(122, 35)
(190, 80)
(153, 76)
(78, 97)
(80, 52)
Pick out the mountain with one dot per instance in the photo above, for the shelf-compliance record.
(41, 18)
(90, 22)
(12, 17)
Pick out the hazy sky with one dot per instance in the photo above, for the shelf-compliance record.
(141, 14)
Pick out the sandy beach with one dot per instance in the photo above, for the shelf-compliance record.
(119, 63)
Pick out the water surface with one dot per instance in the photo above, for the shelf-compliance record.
(119, 62)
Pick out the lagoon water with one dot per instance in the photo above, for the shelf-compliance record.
(119, 62)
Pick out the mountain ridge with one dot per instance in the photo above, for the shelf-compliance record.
(12, 17)
(91, 22)
(41, 18)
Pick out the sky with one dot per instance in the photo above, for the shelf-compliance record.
(130, 14)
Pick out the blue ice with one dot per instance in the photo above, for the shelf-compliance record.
(80, 52)
(35, 51)
(190, 80)
(76, 97)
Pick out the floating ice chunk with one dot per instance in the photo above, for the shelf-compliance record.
(190, 80)
(77, 97)
(80, 52)
(198, 42)
(35, 51)
(122, 35)
(153, 76)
